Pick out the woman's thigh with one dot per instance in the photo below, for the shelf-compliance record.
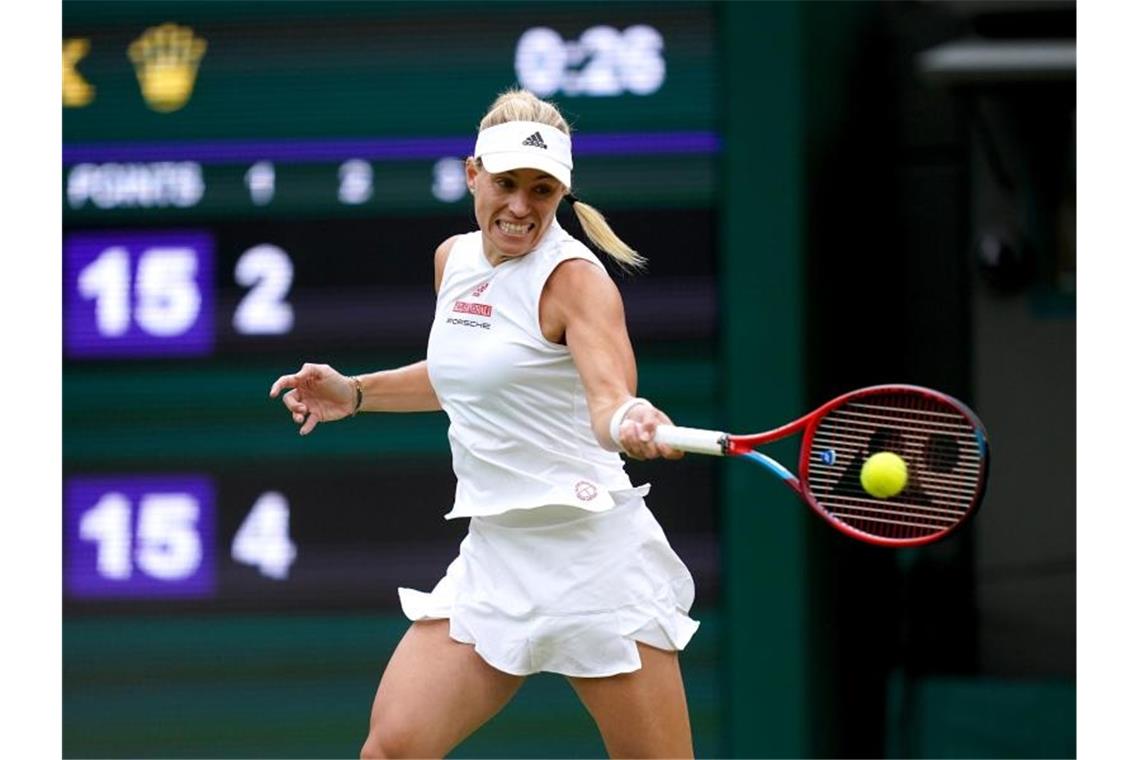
(434, 693)
(643, 713)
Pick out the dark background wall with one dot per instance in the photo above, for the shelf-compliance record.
(914, 176)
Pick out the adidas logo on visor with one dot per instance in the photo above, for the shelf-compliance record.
(535, 141)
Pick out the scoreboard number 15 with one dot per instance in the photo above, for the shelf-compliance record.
(155, 536)
(152, 294)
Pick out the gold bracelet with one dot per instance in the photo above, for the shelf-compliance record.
(359, 394)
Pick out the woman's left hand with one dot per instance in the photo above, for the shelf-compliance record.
(637, 430)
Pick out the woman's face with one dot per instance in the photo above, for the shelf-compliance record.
(514, 209)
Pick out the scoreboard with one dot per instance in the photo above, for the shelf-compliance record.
(247, 186)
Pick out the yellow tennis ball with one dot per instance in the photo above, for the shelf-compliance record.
(883, 475)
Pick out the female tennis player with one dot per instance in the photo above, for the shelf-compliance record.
(564, 569)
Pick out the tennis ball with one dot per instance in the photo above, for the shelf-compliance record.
(883, 475)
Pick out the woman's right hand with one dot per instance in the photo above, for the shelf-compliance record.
(317, 393)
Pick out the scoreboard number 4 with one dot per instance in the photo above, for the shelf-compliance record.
(147, 536)
(263, 538)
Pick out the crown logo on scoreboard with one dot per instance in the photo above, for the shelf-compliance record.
(166, 62)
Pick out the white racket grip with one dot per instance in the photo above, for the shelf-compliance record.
(691, 439)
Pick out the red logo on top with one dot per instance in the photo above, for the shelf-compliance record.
(481, 309)
(478, 291)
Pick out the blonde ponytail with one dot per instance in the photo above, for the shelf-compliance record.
(602, 235)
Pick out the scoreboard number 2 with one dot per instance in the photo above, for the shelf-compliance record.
(268, 272)
(152, 294)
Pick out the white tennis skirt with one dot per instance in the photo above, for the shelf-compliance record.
(562, 590)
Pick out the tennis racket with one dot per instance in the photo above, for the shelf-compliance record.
(941, 441)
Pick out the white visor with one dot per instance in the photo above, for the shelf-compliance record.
(526, 145)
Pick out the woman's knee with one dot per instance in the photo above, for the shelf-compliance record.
(372, 749)
(391, 738)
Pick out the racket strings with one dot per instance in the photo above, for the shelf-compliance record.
(949, 467)
(938, 443)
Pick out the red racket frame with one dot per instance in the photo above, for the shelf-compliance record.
(740, 445)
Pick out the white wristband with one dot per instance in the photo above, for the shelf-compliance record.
(618, 416)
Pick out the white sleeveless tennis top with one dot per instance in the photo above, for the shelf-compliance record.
(520, 429)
